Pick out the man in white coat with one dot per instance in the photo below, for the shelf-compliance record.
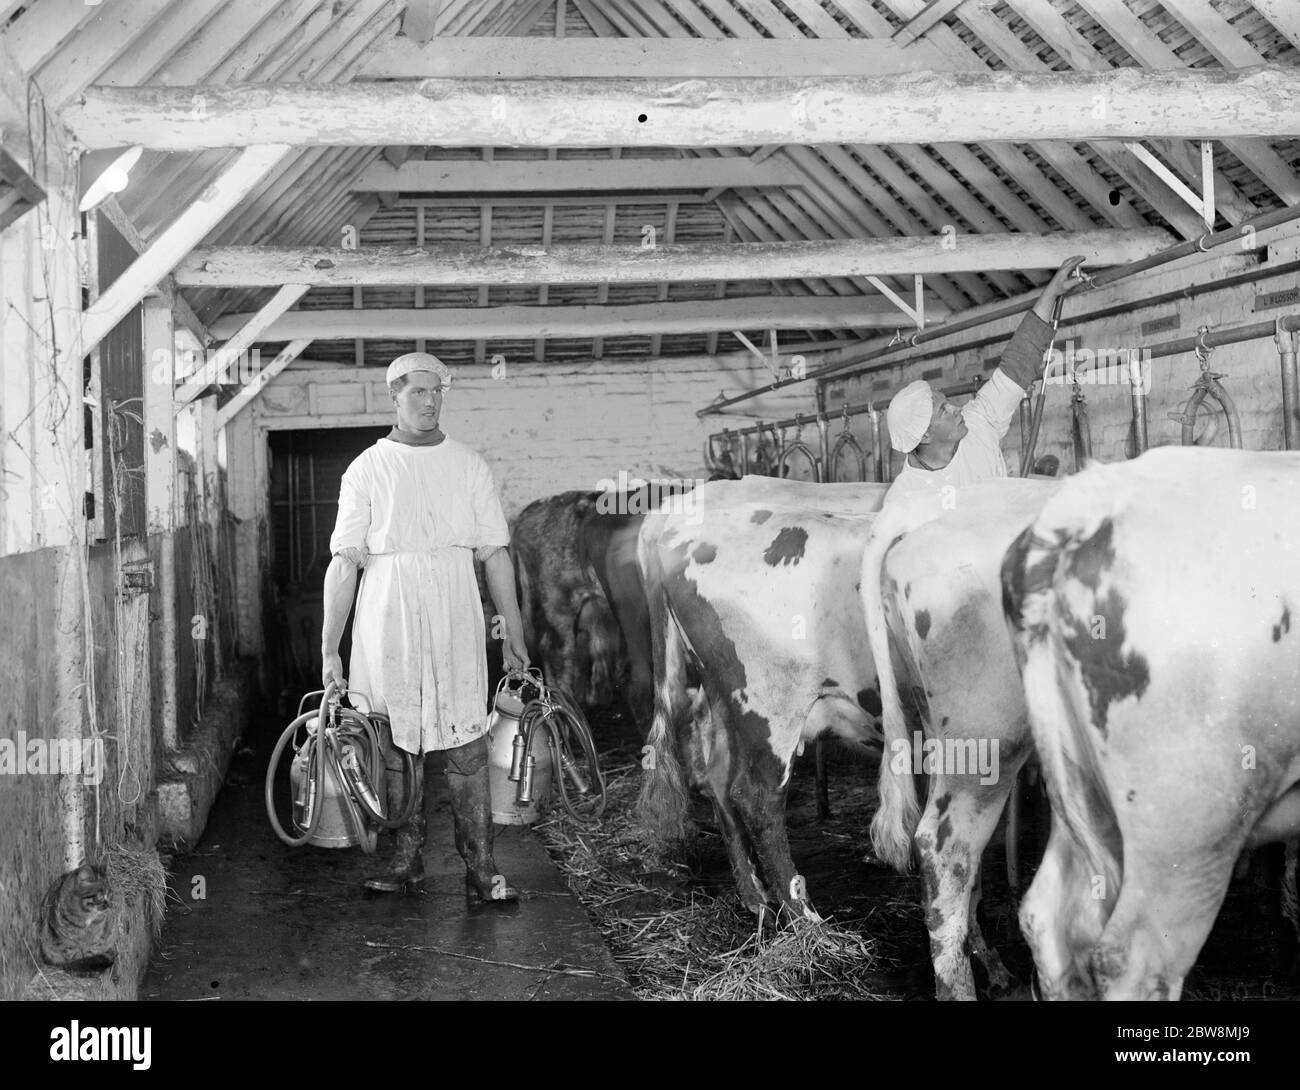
(415, 510)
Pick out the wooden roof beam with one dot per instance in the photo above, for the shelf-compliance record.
(639, 319)
(236, 181)
(569, 175)
(447, 266)
(581, 112)
(240, 341)
(1231, 49)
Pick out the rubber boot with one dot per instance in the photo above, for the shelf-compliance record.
(471, 805)
(406, 871)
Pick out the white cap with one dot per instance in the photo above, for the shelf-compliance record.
(417, 361)
(909, 415)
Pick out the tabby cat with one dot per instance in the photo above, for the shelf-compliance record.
(77, 922)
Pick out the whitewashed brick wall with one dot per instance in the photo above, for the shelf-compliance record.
(545, 429)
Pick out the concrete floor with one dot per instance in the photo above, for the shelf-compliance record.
(295, 923)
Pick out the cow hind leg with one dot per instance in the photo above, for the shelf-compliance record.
(762, 808)
(1161, 920)
(753, 894)
(999, 976)
(1061, 920)
(955, 827)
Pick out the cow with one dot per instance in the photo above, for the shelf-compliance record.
(951, 701)
(757, 639)
(580, 597)
(1153, 606)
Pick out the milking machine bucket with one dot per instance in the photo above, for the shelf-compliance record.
(337, 778)
(513, 802)
(336, 827)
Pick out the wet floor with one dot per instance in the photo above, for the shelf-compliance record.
(257, 919)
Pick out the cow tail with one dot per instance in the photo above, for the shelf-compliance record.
(899, 811)
(664, 799)
(1059, 709)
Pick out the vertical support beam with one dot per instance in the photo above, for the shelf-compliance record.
(543, 292)
(670, 232)
(420, 342)
(1207, 183)
(160, 507)
(602, 292)
(359, 345)
(159, 414)
(485, 237)
(247, 499)
(1286, 353)
(711, 342)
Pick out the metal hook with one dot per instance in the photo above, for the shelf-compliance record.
(1202, 349)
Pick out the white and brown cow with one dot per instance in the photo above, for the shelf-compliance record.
(952, 705)
(758, 639)
(1156, 614)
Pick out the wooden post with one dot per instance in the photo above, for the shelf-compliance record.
(160, 503)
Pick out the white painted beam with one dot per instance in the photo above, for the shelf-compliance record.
(1126, 103)
(570, 175)
(249, 333)
(266, 266)
(261, 380)
(189, 228)
(473, 323)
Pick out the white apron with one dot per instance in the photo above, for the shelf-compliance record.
(417, 637)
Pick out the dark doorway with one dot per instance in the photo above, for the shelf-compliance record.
(305, 470)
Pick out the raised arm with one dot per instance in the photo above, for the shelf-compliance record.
(1022, 360)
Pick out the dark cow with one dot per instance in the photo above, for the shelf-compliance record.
(1153, 605)
(758, 640)
(932, 599)
(580, 595)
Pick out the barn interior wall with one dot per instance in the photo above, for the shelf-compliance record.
(1253, 377)
(547, 429)
(543, 430)
(31, 807)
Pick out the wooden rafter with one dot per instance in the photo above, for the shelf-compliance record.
(247, 169)
(638, 319)
(245, 266)
(963, 107)
(570, 175)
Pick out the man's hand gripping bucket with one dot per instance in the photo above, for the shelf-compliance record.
(538, 739)
(337, 777)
